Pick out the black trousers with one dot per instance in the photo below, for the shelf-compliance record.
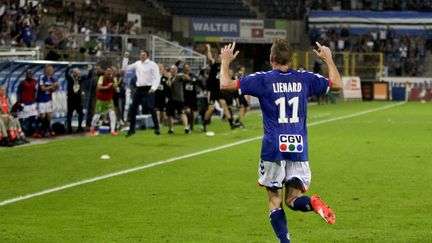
(142, 96)
(74, 104)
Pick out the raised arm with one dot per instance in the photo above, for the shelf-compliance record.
(130, 67)
(227, 56)
(324, 53)
(209, 54)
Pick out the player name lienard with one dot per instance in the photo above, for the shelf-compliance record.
(287, 87)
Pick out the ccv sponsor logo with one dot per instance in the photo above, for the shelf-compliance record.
(290, 143)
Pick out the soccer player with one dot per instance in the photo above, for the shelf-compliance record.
(161, 95)
(190, 94)
(9, 122)
(176, 100)
(283, 94)
(26, 96)
(241, 100)
(47, 85)
(104, 101)
(215, 92)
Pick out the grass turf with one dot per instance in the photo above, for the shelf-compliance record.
(374, 170)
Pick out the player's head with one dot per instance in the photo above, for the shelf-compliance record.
(109, 72)
(280, 52)
(76, 72)
(186, 68)
(29, 74)
(144, 55)
(240, 71)
(49, 70)
(173, 70)
(2, 91)
(161, 68)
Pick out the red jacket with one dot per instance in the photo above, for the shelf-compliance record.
(106, 94)
(4, 102)
(27, 91)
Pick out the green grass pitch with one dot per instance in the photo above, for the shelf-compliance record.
(374, 170)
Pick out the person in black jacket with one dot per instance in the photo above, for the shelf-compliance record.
(90, 90)
(74, 100)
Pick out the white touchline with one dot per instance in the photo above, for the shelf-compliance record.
(98, 178)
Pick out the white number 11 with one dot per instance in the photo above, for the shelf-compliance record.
(282, 110)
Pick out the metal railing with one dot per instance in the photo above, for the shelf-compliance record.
(168, 53)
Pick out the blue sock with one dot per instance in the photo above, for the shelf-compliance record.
(279, 223)
(303, 204)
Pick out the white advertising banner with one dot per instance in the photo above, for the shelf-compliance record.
(275, 33)
(351, 87)
(251, 28)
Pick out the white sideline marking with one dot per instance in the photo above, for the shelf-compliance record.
(98, 178)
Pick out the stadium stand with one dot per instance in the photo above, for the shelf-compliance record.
(374, 5)
(213, 8)
(293, 10)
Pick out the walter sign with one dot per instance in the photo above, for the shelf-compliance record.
(215, 27)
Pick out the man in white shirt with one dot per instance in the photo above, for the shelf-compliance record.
(148, 79)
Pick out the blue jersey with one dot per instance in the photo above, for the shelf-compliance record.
(45, 96)
(283, 98)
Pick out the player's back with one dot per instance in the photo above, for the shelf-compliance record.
(283, 99)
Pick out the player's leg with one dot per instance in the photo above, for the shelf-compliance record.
(271, 175)
(113, 120)
(170, 114)
(94, 122)
(185, 123)
(194, 115)
(48, 123)
(294, 197)
(227, 113)
(277, 215)
(297, 179)
(40, 125)
(183, 117)
(243, 109)
(208, 114)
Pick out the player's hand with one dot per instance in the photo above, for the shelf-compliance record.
(208, 47)
(323, 52)
(227, 53)
(151, 91)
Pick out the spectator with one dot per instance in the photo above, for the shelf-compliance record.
(50, 45)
